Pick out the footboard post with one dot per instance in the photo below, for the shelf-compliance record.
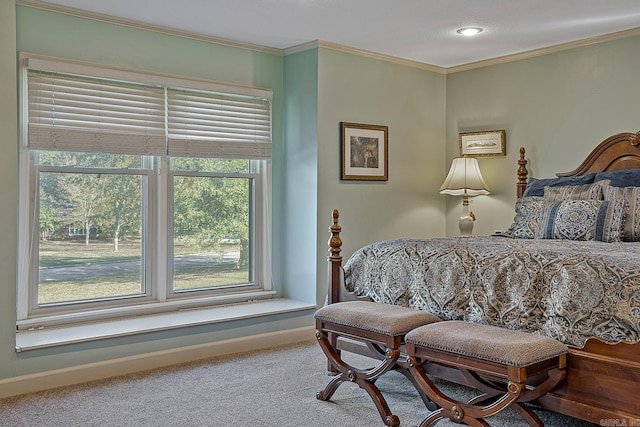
(522, 173)
(336, 275)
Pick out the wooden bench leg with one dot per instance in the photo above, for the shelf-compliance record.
(333, 341)
(402, 367)
(495, 397)
(364, 378)
(527, 414)
(467, 413)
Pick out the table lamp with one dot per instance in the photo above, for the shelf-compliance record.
(464, 179)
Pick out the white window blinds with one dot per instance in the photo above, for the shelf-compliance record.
(218, 125)
(95, 113)
(74, 113)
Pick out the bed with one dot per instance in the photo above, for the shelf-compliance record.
(578, 284)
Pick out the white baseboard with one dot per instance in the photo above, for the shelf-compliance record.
(143, 362)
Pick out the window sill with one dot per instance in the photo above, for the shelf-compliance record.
(51, 337)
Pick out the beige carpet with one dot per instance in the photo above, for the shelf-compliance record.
(264, 389)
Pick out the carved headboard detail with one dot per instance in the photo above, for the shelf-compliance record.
(618, 152)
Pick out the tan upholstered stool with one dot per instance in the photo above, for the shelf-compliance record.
(495, 360)
(380, 326)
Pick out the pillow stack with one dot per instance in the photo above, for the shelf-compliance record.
(576, 208)
(624, 185)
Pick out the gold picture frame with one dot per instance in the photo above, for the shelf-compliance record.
(364, 152)
(485, 143)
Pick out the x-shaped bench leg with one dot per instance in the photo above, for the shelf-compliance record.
(364, 378)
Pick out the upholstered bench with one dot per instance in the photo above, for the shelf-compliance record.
(380, 325)
(496, 361)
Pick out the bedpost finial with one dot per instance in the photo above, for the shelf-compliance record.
(335, 242)
(635, 141)
(522, 173)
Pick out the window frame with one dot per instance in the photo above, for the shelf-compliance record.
(148, 206)
(158, 227)
(254, 280)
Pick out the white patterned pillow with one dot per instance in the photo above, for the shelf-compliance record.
(630, 196)
(599, 220)
(576, 192)
(529, 212)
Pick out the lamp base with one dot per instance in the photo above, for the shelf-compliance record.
(466, 225)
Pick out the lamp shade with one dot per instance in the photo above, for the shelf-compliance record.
(464, 178)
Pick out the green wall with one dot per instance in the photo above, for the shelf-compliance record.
(411, 102)
(9, 187)
(301, 174)
(558, 106)
(322, 88)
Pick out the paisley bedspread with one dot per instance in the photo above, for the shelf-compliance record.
(568, 290)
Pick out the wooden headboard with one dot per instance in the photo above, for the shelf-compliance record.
(618, 152)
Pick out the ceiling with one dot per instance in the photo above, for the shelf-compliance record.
(417, 30)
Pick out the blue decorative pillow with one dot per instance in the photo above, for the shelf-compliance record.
(599, 220)
(529, 213)
(535, 186)
(623, 178)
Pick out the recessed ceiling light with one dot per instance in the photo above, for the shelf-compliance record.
(469, 31)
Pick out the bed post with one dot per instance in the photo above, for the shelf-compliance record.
(335, 276)
(522, 174)
(336, 289)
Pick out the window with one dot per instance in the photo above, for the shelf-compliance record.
(89, 216)
(210, 209)
(140, 193)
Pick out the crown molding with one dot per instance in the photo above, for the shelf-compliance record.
(109, 19)
(545, 50)
(39, 4)
(366, 53)
(382, 57)
(302, 47)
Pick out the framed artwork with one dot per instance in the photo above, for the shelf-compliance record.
(365, 152)
(478, 144)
